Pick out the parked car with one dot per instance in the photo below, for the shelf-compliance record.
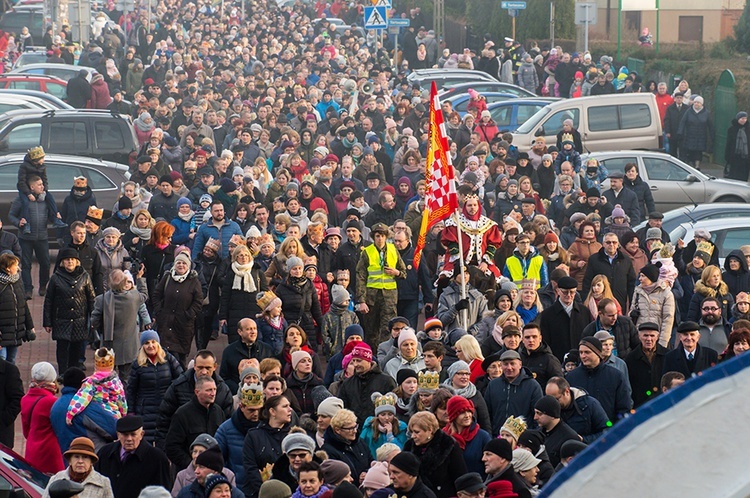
(673, 183)
(729, 234)
(50, 99)
(341, 26)
(606, 122)
(92, 133)
(698, 212)
(512, 113)
(460, 101)
(11, 102)
(442, 77)
(30, 16)
(18, 478)
(30, 57)
(47, 84)
(483, 86)
(63, 71)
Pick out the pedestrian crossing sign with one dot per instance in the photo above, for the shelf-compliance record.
(376, 18)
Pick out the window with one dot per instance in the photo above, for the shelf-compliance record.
(24, 85)
(526, 111)
(462, 105)
(662, 169)
(108, 135)
(617, 163)
(9, 177)
(67, 136)
(60, 176)
(603, 118)
(733, 240)
(23, 137)
(58, 90)
(501, 115)
(12, 107)
(554, 123)
(634, 116)
(98, 181)
(61, 73)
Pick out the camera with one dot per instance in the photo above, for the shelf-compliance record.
(135, 265)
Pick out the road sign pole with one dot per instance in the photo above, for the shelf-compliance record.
(619, 30)
(513, 24)
(552, 24)
(586, 32)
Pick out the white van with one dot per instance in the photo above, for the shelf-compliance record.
(607, 122)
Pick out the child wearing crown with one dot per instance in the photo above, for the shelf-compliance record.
(103, 387)
(384, 427)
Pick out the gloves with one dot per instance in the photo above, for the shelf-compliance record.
(463, 304)
(30, 336)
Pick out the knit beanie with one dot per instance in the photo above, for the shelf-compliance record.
(458, 405)
(227, 185)
(353, 329)
(292, 262)
(318, 395)
(213, 481)
(458, 366)
(330, 407)
(593, 344)
(346, 490)
(549, 406)
(339, 295)
(405, 373)
(407, 333)
(409, 463)
(43, 372)
(500, 447)
(154, 492)
(377, 477)
(149, 335)
(618, 212)
(363, 352)
(298, 356)
(274, 488)
(651, 271)
(211, 458)
(184, 200)
(73, 377)
(297, 441)
(523, 460)
(551, 237)
(124, 203)
(334, 471)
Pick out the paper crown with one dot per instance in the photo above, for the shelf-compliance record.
(514, 426)
(567, 137)
(529, 284)
(36, 153)
(251, 396)
(384, 402)
(265, 299)
(308, 178)
(95, 213)
(80, 181)
(428, 380)
(704, 247)
(104, 358)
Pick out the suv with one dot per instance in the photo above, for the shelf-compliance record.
(100, 134)
(31, 16)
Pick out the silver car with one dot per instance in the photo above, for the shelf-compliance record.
(729, 234)
(673, 183)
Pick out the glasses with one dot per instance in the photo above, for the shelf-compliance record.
(711, 308)
(567, 292)
(297, 456)
(611, 242)
(350, 429)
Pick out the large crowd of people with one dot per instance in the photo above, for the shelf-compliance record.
(276, 204)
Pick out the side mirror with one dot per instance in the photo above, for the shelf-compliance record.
(691, 179)
(539, 132)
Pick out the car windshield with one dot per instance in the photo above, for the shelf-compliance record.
(24, 470)
(533, 121)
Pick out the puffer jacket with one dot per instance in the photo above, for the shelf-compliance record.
(656, 306)
(146, 387)
(527, 76)
(517, 397)
(737, 281)
(231, 436)
(581, 250)
(15, 316)
(68, 304)
(356, 454)
(262, 447)
(448, 314)
(301, 303)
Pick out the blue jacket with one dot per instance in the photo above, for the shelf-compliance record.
(516, 398)
(399, 439)
(93, 422)
(231, 439)
(272, 336)
(181, 236)
(223, 233)
(608, 385)
(473, 452)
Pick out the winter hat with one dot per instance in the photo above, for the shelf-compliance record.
(292, 186)
(353, 329)
(183, 200)
(170, 141)
(68, 253)
(215, 480)
(531, 439)
(111, 231)
(43, 372)
(387, 402)
(407, 334)
(551, 237)
(653, 234)
(274, 488)
(211, 458)
(249, 371)
(575, 217)
(346, 490)
(149, 335)
(124, 203)
(330, 406)
(152, 492)
(345, 361)
(292, 262)
(457, 366)
(363, 352)
(651, 271)
(432, 323)
(319, 394)
(593, 344)
(184, 257)
(297, 441)
(549, 406)
(205, 198)
(523, 460)
(334, 471)
(500, 447)
(204, 440)
(298, 356)
(267, 300)
(404, 374)
(377, 477)
(252, 232)
(547, 157)
(408, 462)
(339, 295)
(237, 171)
(571, 356)
(73, 377)
(618, 212)
(457, 405)
(227, 186)
(571, 448)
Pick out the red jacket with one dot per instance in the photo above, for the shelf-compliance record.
(322, 290)
(476, 370)
(42, 448)
(662, 102)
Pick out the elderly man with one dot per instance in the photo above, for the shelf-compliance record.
(689, 357)
(646, 364)
(408, 355)
(611, 262)
(81, 459)
(403, 470)
(132, 463)
(497, 456)
(583, 413)
(514, 393)
(563, 323)
(246, 347)
(620, 327)
(199, 127)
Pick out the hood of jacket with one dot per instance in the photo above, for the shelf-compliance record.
(736, 254)
(704, 290)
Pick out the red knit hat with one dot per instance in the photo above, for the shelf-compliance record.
(457, 405)
(362, 351)
(551, 237)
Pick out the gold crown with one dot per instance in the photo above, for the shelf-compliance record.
(80, 181)
(567, 137)
(104, 358)
(429, 380)
(529, 283)
(95, 212)
(36, 153)
(514, 426)
(251, 396)
(308, 178)
(380, 400)
(705, 247)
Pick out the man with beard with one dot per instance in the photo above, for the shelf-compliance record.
(217, 227)
(368, 378)
(714, 330)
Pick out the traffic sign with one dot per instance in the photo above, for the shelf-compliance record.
(515, 5)
(513, 12)
(376, 18)
(398, 22)
(586, 13)
(382, 3)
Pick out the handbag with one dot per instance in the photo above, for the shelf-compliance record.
(635, 313)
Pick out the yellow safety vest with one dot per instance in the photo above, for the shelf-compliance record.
(376, 276)
(518, 273)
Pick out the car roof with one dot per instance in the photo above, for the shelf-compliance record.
(65, 158)
(61, 113)
(530, 100)
(718, 223)
(23, 76)
(52, 65)
(36, 93)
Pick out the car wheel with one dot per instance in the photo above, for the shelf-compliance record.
(730, 198)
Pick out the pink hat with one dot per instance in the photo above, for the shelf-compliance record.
(377, 477)
(407, 334)
(363, 352)
(473, 93)
(298, 356)
(345, 362)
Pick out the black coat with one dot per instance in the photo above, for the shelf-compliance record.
(585, 415)
(555, 438)
(11, 388)
(68, 304)
(356, 390)
(236, 304)
(15, 317)
(607, 384)
(74, 208)
(262, 447)
(695, 131)
(188, 422)
(645, 376)
(628, 201)
(620, 273)
(543, 364)
(346, 258)
(236, 352)
(303, 391)
(301, 303)
(147, 385)
(626, 335)
(146, 466)
(737, 281)
(676, 361)
(560, 331)
(672, 119)
(78, 92)
(182, 391)
(442, 462)
(177, 305)
(355, 454)
(154, 261)
(642, 190)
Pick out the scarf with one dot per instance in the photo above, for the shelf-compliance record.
(465, 436)
(298, 282)
(179, 278)
(49, 386)
(648, 289)
(467, 392)
(187, 216)
(7, 279)
(141, 233)
(141, 123)
(348, 143)
(243, 278)
(77, 476)
(740, 146)
(497, 334)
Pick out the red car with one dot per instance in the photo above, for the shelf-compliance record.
(47, 84)
(19, 477)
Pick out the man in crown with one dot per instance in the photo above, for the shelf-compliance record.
(480, 238)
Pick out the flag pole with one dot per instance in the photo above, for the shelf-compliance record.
(464, 313)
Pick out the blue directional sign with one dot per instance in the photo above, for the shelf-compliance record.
(398, 22)
(376, 18)
(515, 5)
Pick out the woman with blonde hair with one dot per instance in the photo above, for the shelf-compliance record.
(710, 285)
(139, 233)
(242, 283)
(342, 443)
(291, 246)
(468, 350)
(527, 303)
(151, 373)
(498, 339)
(600, 289)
